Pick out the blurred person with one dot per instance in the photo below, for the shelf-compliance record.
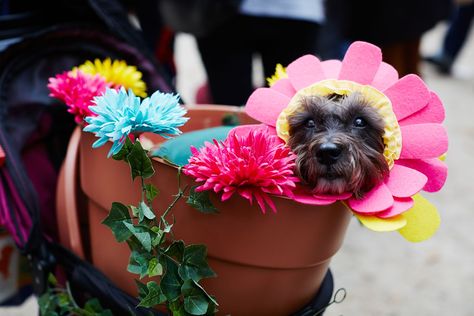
(455, 37)
(278, 31)
(395, 26)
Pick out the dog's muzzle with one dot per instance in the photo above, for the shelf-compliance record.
(328, 153)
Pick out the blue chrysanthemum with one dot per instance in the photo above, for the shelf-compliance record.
(120, 113)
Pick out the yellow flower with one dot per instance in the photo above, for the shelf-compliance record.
(280, 72)
(118, 73)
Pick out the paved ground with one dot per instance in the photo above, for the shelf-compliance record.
(382, 273)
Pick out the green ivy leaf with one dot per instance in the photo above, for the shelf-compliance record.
(195, 266)
(139, 162)
(138, 263)
(151, 192)
(124, 151)
(153, 295)
(159, 236)
(201, 201)
(154, 267)
(176, 250)
(171, 282)
(145, 211)
(117, 220)
(195, 301)
(143, 234)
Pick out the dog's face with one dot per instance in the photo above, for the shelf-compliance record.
(339, 145)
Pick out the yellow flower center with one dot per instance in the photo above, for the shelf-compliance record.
(392, 136)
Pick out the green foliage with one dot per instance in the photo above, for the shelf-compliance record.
(154, 252)
(117, 220)
(60, 302)
(201, 201)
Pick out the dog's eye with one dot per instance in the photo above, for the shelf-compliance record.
(310, 124)
(360, 122)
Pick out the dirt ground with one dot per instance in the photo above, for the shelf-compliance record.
(382, 273)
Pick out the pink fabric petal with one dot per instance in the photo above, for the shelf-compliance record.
(434, 169)
(423, 141)
(243, 130)
(331, 68)
(405, 182)
(385, 77)
(339, 197)
(284, 86)
(408, 95)
(361, 63)
(400, 205)
(378, 199)
(305, 71)
(265, 105)
(304, 196)
(433, 112)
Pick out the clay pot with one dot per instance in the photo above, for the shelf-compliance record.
(270, 264)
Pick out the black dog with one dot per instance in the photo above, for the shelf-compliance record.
(339, 145)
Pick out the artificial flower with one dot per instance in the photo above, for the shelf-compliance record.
(77, 90)
(414, 137)
(117, 73)
(252, 165)
(119, 113)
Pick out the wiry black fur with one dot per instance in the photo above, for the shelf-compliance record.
(361, 164)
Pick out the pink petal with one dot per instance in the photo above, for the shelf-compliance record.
(361, 62)
(339, 197)
(400, 205)
(408, 95)
(405, 182)
(304, 196)
(433, 112)
(378, 199)
(434, 169)
(423, 141)
(305, 71)
(385, 77)
(265, 105)
(331, 68)
(284, 86)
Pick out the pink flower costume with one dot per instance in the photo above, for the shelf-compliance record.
(414, 137)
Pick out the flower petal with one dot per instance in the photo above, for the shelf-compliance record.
(381, 224)
(423, 141)
(386, 76)
(434, 169)
(265, 104)
(284, 86)
(422, 220)
(400, 205)
(343, 196)
(361, 62)
(433, 112)
(331, 68)
(378, 199)
(408, 95)
(244, 130)
(404, 182)
(305, 71)
(304, 196)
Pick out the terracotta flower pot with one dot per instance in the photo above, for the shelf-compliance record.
(267, 264)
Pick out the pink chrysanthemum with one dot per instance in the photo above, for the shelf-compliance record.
(77, 90)
(419, 114)
(253, 165)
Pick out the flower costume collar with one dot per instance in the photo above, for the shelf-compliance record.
(414, 137)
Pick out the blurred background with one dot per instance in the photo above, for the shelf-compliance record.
(381, 272)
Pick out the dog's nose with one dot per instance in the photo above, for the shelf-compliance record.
(328, 153)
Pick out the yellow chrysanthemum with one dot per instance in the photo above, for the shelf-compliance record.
(280, 72)
(118, 73)
(392, 135)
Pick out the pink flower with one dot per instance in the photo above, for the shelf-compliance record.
(253, 165)
(419, 113)
(77, 90)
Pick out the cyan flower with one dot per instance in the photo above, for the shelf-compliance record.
(120, 113)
